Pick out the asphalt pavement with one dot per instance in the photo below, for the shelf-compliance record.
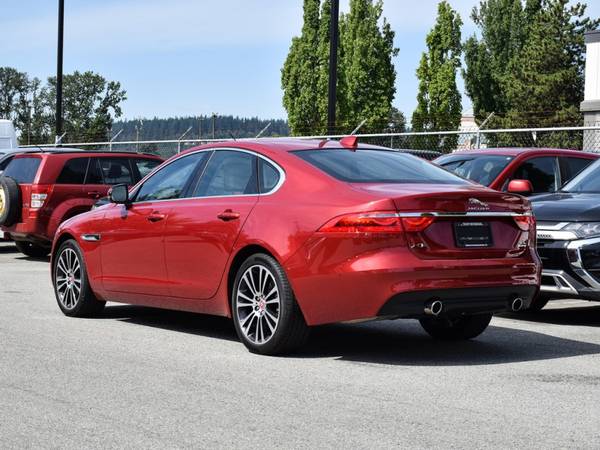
(145, 378)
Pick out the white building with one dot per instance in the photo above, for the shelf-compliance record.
(591, 104)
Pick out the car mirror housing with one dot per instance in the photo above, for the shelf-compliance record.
(520, 187)
(119, 194)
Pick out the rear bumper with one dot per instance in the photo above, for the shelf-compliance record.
(335, 282)
(458, 301)
(31, 230)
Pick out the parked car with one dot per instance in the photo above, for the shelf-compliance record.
(283, 235)
(569, 239)
(524, 171)
(40, 190)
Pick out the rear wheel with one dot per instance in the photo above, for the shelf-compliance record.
(71, 286)
(33, 250)
(454, 329)
(265, 313)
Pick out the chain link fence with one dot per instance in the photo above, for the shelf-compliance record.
(426, 144)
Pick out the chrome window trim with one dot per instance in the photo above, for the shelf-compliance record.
(282, 176)
(577, 265)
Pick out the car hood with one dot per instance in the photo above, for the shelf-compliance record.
(567, 207)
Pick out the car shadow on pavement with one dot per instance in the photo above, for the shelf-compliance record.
(182, 322)
(404, 343)
(34, 258)
(401, 342)
(579, 315)
(8, 248)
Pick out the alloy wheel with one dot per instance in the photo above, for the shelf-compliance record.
(258, 304)
(2, 200)
(68, 278)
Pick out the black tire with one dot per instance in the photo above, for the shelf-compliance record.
(290, 331)
(461, 328)
(32, 250)
(82, 303)
(538, 303)
(10, 201)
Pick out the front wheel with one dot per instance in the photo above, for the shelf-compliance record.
(71, 285)
(265, 313)
(32, 250)
(461, 328)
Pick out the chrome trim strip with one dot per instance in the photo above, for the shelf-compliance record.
(90, 237)
(558, 226)
(465, 214)
(577, 265)
(282, 177)
(560, 279)
(547, 235)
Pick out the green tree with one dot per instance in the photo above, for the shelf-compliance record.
(366, 74)
(90, 104)
(504, 27)
(14, 90)
(545, 80)
(438, 99)
(299, 76)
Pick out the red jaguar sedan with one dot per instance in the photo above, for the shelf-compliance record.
(282, 235)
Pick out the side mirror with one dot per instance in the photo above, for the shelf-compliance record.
(119, 194)
(522, 187)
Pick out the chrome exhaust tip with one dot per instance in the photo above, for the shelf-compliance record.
(434, 308)
(517, 304)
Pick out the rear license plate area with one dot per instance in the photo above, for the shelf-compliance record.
(473, 234)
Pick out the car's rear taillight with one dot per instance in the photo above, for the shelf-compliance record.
(376, 222)
(38, 197)
(525, 223)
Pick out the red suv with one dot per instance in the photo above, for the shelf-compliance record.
(519, 170)
(282, 235)
(39, 191)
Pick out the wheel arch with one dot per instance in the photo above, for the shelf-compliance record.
(66, 236)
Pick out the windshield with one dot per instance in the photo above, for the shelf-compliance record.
(482, 169)
(376, 166)
(586, 181)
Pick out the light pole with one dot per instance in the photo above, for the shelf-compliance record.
(59, 70)
(333, 60)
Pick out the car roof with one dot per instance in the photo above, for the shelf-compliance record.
(66, 151)
(511, 151)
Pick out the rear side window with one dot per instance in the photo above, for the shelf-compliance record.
(73, 171)
(145, 166)
(228, 173)
(23, 170)
(269, 176)
(116, 171)
(376, 166)
(5, 162)
(542, 172)
(94, 173)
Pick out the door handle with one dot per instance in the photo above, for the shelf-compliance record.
(228, 215)
(94, 194)
(156, 217)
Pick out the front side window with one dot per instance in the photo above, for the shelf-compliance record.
(228, 173)
(145, 166)
(116, 171)
(573, 166)
(541, 172)
(483, 169)
(171, 181)
(587, 181)
(73, 171)
(376, 166)
(23, 170)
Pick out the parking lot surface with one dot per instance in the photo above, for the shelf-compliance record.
(142, 377)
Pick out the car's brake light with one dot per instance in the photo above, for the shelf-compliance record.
(415, 224)
(373, 222)
(376, 222)
(525, 223)
(38, 197)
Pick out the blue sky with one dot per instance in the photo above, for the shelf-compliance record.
(189, 57)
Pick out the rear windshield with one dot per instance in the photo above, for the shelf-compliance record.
(482, 169)
(23, 170)
(376, 166)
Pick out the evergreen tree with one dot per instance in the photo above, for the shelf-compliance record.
(300, 73)
(438, 100)
(545, 80)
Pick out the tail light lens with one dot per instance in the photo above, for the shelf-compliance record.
(525, 223)
(376, 222)
(38, 197)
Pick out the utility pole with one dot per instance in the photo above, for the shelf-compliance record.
(214, 118)
(200, 127)
(333, 61)
(59, 69)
